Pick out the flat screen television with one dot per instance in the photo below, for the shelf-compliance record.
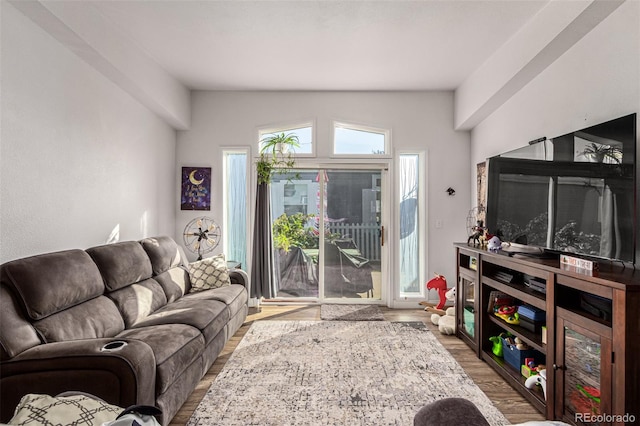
(574, 193)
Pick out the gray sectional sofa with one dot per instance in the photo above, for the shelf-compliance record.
(116, 321)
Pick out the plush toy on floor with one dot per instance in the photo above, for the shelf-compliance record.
(439, 283)
(447, 323)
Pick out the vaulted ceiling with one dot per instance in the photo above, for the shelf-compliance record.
(161, 50)
(319, 45)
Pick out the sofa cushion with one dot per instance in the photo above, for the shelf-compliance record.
(95, 318)
(233, 296)
(208, 316)
(16, 333)
(121, 264)
(49, 283)
(163, 253)
(209, 273)
(137, 301)
(175, 346)
(175, 283)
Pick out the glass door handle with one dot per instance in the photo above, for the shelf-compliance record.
(382, 236)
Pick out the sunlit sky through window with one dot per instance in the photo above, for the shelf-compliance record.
(351, 141)
(346, 141)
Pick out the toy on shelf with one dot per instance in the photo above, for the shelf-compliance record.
(520, 345)
(446, 323)
(496, 346)
(530, 368)
(494, 244)
(538, 379)
(508, 314)
(497, 299)
(506, 309)
(485, 237)
(515, 341)
(477, 232)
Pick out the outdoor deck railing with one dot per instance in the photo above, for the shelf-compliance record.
(365, 235)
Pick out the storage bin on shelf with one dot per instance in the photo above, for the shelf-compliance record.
(515, 357)
(531, 318)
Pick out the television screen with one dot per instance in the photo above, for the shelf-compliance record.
(574, 193)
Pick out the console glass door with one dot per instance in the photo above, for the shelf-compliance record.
(583, 374)
(469, 307)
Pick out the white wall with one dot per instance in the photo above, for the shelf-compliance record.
(79, 157)
(419, 121)
(596, 80)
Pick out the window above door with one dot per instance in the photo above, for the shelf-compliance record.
(354, 140)
(303, 130)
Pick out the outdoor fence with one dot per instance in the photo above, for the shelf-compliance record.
(365, 235)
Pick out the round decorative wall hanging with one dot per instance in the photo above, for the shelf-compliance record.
(201, 235)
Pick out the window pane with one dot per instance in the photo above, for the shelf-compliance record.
(236, 207)
(295, 220)
(304, 134)
(360, 142)
(409, 229)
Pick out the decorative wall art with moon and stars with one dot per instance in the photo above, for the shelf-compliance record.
(196, 188)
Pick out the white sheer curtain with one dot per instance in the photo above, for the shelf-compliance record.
(236, 232)
(409, 229)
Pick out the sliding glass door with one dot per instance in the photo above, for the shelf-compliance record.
(327, 231)
(352, 237)
(295, 212)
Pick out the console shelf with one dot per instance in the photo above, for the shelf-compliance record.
(535, 395)
(519, 291)
(527, 336)
(591, 336)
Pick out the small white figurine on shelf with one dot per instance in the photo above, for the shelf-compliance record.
(494, 244)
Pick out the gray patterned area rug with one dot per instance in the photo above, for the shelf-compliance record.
(317, 373)
(334, 312)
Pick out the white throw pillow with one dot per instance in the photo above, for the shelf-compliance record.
(45, 410)
(209, 273)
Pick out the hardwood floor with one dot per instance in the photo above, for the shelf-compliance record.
(515, 408)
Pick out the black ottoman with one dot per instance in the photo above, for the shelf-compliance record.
(450, 412)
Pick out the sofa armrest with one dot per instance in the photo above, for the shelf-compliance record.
(124, 376)
(238, 276)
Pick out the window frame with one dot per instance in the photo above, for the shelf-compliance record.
(420, 223)
(225, 217)
(286, 127)
(362, 128)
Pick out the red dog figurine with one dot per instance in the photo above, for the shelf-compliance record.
(439, 283)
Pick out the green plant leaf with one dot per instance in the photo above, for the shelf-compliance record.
(276, 155)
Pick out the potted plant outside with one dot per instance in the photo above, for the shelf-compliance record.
(294, 230)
